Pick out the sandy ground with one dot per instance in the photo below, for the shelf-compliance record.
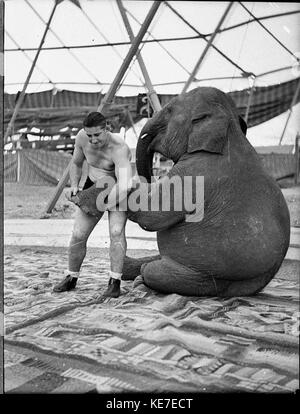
(53, 260)
(29, 201)
(30, 273)
(76, 343)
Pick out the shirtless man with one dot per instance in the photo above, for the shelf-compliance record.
(106, 153)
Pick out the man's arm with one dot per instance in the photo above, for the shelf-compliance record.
(121, 158)
(75, 168)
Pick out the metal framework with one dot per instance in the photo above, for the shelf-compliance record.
(111, 44)
(63, 45)
(209, 44)
(135, 43)
(204, 37)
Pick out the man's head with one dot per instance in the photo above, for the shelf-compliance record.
(94, 125)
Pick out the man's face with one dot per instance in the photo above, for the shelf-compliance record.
(96, 136)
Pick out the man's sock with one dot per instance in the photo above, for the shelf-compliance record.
(115, 275)
(74, 275)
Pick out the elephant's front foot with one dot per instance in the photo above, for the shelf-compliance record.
(132, 267)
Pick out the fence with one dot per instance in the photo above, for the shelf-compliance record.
(39, 167)
(279, 166)
(35, 167)
(280, 162)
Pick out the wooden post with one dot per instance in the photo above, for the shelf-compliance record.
(152, 94)
(132, 51)
(154, 101)
(212, 38)
(18, 164)
(297, 158)
(294, 100)
(108, 97)
(58, 190)
(131, 122)
(22, 94)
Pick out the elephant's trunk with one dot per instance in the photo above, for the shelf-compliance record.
(144, 155)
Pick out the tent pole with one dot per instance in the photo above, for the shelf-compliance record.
(294, 100)
(108, 97)
(132, 51)
(210, 42)
(297, 158)
(250, 98)
(22, 94)
(152, 94)
(58, 190)
(159, 42)
(154, 101)
(18, 164)
(131, 122)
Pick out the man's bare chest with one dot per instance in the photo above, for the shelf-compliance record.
(98, 158)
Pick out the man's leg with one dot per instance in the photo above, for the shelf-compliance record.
(82, 228)
(117, 250)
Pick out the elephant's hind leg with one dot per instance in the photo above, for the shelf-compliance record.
(168, 276)
(132, 266)
(245, 287)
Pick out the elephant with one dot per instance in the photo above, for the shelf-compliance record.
(240, 242)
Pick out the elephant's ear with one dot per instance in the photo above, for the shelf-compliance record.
(209, 133)
(243, 125)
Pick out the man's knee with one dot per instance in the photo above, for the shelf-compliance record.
(116, 232)
(78, 238)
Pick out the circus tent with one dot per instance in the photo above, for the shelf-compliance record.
(254, 47)
(65, 58)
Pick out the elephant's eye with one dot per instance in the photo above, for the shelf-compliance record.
(200, 117)
(168, 109)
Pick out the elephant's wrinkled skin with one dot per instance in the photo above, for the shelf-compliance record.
(242, 240)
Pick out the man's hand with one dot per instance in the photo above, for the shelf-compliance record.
(71, 192)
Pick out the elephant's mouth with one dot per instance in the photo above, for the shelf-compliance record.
(148, 144)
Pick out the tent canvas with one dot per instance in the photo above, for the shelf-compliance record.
(88, 59)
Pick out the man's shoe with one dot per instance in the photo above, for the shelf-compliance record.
(68, 283)
(113, 290)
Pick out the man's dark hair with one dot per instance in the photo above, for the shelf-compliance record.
(94, 119)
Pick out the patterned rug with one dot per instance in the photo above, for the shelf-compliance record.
(77, 342)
